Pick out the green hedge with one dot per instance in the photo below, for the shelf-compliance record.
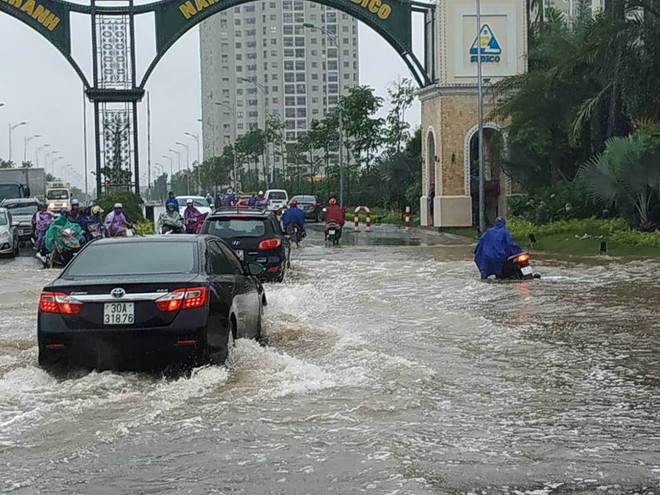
(130, 202)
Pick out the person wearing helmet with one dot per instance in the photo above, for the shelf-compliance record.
(494, 248)
(171, 200)
(191, 217)
(170, 221)
(116, 222)
(293, 218)
(75, 211)
(43, 219)
(92, 224)
(261, 202)
(334, 217)
(229, 199)
(63, 238)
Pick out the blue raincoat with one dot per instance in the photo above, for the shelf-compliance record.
(493, 249)
(293, 216)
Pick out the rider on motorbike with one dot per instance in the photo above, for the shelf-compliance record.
(494, 248)
(261, 202)
(294, 217)
(43, 219)
(63, 238)
(170, 220)
(115, 222)
(334, 217)
(75, 213)
(191, 217)
(91, 223)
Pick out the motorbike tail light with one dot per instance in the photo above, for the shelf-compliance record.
(60, 303)
(269, 244)
(182, 299)
(522, 258)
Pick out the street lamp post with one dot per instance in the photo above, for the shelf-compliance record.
(199, 163)
(47, 156)
(179, 143)
(25, 144)
(231, 111)
(11, 129)
(171, 169)
(340, 160)
(38, 151)
(178, 155)
(55, 161)
(480, 111)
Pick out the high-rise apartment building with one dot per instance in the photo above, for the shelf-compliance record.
(259, 59)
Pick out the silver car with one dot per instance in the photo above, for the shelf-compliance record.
(22, 212)
(8, 234)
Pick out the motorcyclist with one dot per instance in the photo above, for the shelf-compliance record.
(43, 219)
(64, 237)
(171, 200)
(261, 200)
(494, 248)
(91, 223)
(209, 199)
(229, 199)
(294, 217)
(191, 216)
(170, 220)
(115, 222)
(252, 202)
(75, 212)
(334, 215)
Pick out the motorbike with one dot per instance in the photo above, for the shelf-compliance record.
(197, 225)
(63, 254)
(517, 267)
(332, 233)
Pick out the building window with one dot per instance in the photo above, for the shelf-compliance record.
(290, 101)
(300, 77)
(290, 112)
(301, 100)
(301, 112)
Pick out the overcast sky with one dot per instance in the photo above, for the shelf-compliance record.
(38, 86)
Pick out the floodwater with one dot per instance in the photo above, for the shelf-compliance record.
(389, 368)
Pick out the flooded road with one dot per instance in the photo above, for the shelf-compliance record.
(389, 369)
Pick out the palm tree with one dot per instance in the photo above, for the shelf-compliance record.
(626, 175)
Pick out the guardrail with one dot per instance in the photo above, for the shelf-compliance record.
(357, 218)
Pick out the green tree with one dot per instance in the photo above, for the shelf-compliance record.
(401, 95)
(363, 130)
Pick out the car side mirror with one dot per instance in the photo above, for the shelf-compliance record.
(255, 269)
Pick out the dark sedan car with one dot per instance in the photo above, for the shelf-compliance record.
(128, 303)
(255, 235)
(309, 206)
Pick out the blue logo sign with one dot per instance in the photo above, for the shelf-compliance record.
(486, 46)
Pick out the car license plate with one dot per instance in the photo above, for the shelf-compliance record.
(118, 313)
(332, 232)
(241, 254)
(526, 270)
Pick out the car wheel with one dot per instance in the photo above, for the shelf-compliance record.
(259, 335)
(14, 252)
(222, 357)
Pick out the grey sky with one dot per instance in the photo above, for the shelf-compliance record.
(38, 86)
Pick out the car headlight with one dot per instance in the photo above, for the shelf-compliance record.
(65, 204)
(4, 234)
(51, 205)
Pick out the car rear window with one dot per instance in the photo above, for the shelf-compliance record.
(197, 202)
(277, 195)
(134, 258)
(230, 227)
(304, 199)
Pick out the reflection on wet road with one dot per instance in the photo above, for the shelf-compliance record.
(389, 368)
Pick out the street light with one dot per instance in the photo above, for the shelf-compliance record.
(480, 111)
(25, 144)
(333, 38)
(55, 161)
(178, 155)
(47, 156)
(264, 90)
(199, 163)
(11, 129)
(187, 165)
(231, 111)
(38, 151)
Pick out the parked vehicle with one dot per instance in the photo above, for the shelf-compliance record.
(309, 205)
(22, 212)
(276, 199)
(58, 196)
(137, 310)
(255, 236)
(9, 239)
(22, 183)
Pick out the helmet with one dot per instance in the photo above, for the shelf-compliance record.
(332, 201)
(75, 202)
(170, 206)
(261, 193)
(65, 212)
(500, 220)
(189, 201)
(118, 206)
(96, 210)
(229, 191)
(294, 202)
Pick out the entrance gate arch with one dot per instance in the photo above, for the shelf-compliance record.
(115, 88)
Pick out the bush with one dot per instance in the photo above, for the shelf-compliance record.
(636, 238)
(522, 228)
(131, 203)
(565, 201)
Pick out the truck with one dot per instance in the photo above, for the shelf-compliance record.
(58, 195)
(22, 183)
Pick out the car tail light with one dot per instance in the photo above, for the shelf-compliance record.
(269, 244)
(58, 302)
(312, 207)
(274, 269)
(522, 258)
(182, 299)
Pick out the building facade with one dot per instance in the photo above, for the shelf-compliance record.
(286, 58)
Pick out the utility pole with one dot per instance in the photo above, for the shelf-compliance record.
(11, 129)
(480, 111)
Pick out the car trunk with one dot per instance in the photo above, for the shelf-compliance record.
(100, 310)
